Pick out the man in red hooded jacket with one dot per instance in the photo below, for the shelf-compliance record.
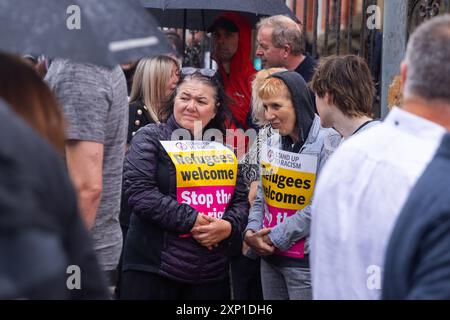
(232, 49)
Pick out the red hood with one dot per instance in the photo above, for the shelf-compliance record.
(238, 83)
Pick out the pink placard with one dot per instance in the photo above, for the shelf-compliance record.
(274, 216)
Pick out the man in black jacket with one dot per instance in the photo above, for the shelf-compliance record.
(279, 45)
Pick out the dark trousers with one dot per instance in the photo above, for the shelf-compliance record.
(138, 285)
(246, 278)
(119, 266)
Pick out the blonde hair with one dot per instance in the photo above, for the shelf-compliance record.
(272, 88)
(257, 104)
(150, 83)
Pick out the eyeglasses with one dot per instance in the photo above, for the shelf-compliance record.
(187, 71)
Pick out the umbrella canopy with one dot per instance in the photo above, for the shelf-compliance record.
(199, 14)
(103, 32)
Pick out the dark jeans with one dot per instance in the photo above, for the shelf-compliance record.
(246, 278)
(138, 285)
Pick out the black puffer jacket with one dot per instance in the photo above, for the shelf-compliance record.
(41, 232)
(153, 243)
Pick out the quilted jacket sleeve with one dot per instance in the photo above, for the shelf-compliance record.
(144, 196)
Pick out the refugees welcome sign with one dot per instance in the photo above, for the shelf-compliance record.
(288, 181)
(206, 174)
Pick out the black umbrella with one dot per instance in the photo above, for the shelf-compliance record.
(104, 32)
(199, 14)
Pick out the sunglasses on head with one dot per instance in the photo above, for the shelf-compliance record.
(187, 71)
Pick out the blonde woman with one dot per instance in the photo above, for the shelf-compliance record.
(245, 270)
(154, 81)
(274, 231)
(250, 162)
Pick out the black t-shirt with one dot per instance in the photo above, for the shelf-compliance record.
(306, 69)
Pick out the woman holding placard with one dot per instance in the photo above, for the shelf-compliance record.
(279, 221)
(187, 197)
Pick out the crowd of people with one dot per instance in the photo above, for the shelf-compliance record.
(130, 175)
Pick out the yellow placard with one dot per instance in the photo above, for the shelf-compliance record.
(286, 188)
(210, 167)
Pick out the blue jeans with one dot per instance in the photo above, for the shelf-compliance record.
(285, 283)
